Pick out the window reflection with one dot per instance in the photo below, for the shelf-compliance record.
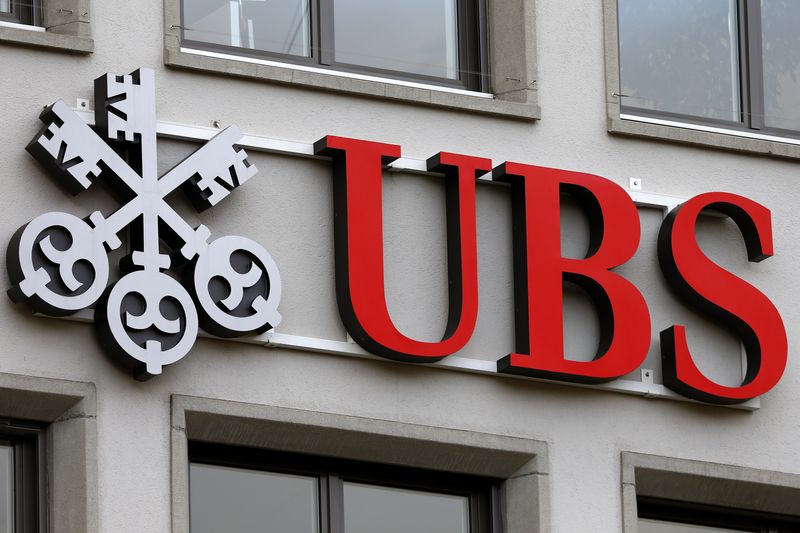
(279, 26)
(418, 36)
(236, 500)
(370, 508)
(680, 56)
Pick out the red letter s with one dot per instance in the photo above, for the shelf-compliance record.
(732, 301)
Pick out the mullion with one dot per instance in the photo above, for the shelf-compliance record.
(315, 34)
(480, 518)
(483, 56)
(464, 60)
(323, 502)
(335, 503)
(326, 37)
(755, 64)
(744, 72)
(494, 510)
(41, 479)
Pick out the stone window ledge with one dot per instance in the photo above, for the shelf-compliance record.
(698, 136)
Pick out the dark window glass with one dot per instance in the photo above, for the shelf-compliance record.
(22, 494)
(417, 36)
(681, 56)
(670, 516)
(246, 490)
(429, 41)
(280, 26)
(236, 500)
(660, 526)
(371, 508)
(781, 56)
(6, 484)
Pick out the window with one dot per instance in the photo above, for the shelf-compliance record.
(338, 462)
(20, 12)
(699, 70)
(723, 62)
(55, 456)
(671, 495)
(58, 25)
(239, 490)
(21, 477)
(435, 42)
(666, 516)
(475, 56)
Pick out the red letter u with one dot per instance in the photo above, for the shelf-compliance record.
(358, 227)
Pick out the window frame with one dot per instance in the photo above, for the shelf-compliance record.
(471, 43)
(28, 444)
(686, 129)
(482, 493)
(714, 516)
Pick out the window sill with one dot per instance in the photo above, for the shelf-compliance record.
(374, 87)
(50, 38)
(699, 135)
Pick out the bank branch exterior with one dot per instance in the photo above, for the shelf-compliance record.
(350, 266)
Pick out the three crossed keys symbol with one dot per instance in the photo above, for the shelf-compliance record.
(58, 263)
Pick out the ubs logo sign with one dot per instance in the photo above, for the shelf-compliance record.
(58, 263)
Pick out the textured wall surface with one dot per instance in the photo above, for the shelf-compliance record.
(287, 208)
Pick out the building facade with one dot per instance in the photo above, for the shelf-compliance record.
(355, 412)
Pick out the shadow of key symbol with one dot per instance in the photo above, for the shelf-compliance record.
(160, 326)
